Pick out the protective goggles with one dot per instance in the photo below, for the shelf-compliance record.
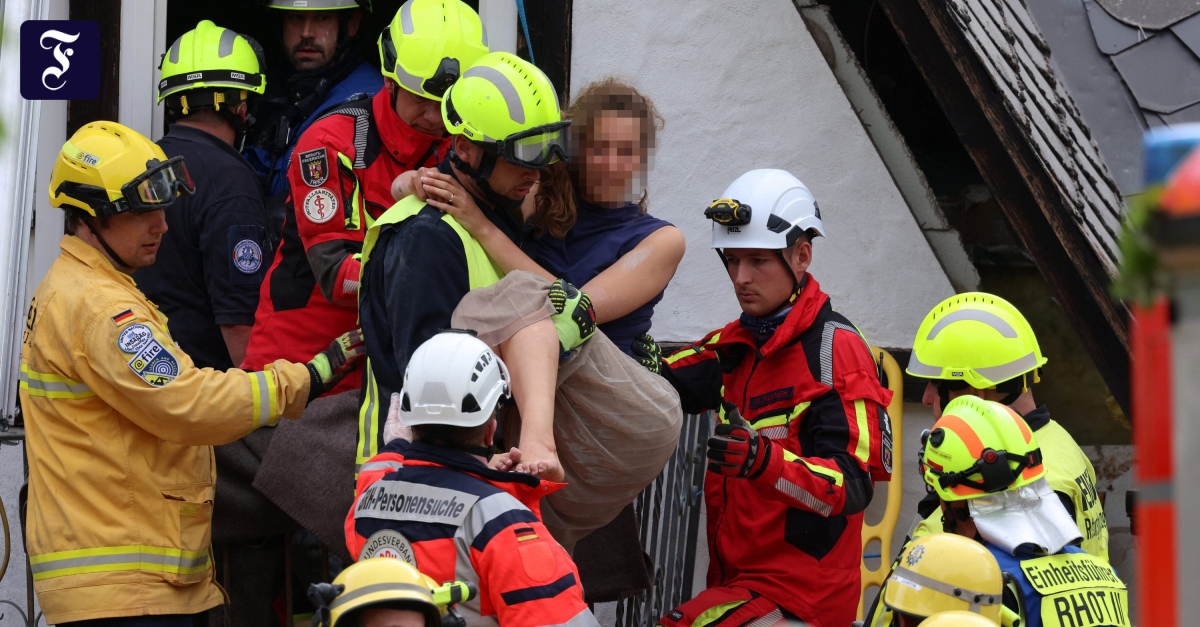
(728, 212)
(447, 72)
(535, 148)
(154, 189)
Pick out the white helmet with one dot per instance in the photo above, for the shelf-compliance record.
(452, 379)
(768, 209)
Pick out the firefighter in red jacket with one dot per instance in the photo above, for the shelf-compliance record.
(436, 504)
(803, 433)
(341, 172)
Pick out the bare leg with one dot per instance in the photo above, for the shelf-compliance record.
(531, 355)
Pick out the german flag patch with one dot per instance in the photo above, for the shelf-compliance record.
(525, 534)
(123, 317)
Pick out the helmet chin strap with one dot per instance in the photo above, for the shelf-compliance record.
(108, 249)
(487, 165)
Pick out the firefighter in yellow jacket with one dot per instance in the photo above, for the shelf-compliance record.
(120, 422)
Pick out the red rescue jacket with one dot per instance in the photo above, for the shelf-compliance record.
(793, 533)
(452, 517)
(340, 178)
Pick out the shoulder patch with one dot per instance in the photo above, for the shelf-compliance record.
(247, 256)
(389, 543)
(134, 337)
(314, 167)
(123, 317)
(320, 205)
(155, 364)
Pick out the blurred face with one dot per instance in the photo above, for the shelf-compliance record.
(761, 280)
(310, 37)
(135, 237)
(420, 113)
(385, 617)
(612, 158)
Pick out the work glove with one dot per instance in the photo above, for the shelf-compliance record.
(574, 317)
(648, 353)
(332, 364)
(736, 450)
(393, 428)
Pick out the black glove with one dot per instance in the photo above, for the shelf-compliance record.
(738, 451)
(648, 353)
(332, 364)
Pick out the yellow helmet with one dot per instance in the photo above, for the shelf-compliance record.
(429, 43)
(383, 582)
(507, 105)
(977, 338)
(957, 619)
(942, 572)
(214, 58)
(106, 168)
(980, 447)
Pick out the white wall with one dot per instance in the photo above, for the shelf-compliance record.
(742, 85)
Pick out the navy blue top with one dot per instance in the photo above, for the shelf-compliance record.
(212, 259)
(599, 238)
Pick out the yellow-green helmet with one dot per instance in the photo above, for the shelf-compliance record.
(429, 43)
(979, 447)
(957, 619)
(507, 105)
(214, 58)
(383, 582)
(977, 338)
(106, 168)
(942, 572)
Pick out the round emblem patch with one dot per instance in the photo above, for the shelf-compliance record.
(320, 205)
(247, 256)
(134, 337)
(389, 543)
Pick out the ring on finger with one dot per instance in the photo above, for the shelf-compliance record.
(452, 199)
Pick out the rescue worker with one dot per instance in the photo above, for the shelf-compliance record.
(506, 125)
(434, 502)
(787, 484)
(120, 422)
(984, 463)
(208, 270)
(980, 344)
(941, 572)
(385, 592)
(341, 176)
(322, 40)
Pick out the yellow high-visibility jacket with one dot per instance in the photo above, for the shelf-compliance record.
(120, 426)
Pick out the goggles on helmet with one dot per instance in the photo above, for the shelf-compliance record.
(993, 466)
(447, 72)
(154, 189)
(537, 147)
(728, 212)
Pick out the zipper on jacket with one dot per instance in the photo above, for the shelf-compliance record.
(725, 480)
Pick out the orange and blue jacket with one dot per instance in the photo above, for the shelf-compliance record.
(453, 518)
(793, 532)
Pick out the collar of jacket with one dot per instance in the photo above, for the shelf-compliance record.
(406, 144)
(183, 132)
(518, 484)
(1038, 418)
(804, 311)
(84, 253)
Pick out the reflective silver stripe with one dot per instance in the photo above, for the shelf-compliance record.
(777, 432)
(405, 501)
(918, 368)
(264, 401)
(53, 386)
(585, 618)
(1155, 492)
(827, 334)
(774, 617)
(1004, 372)
(388, 466)
(347, 597)
(516, 111)
(349, 287)
(804, 496)
(986, 317)
(406, 23)
(173, 53)
(225, 46)
(973, 597)
(177, 561)
(413, 82)
(368, 420)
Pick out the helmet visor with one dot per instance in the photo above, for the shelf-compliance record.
(159, 185)
(537, 147)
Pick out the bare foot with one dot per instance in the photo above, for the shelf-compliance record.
(505, 461)
(542, 461)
